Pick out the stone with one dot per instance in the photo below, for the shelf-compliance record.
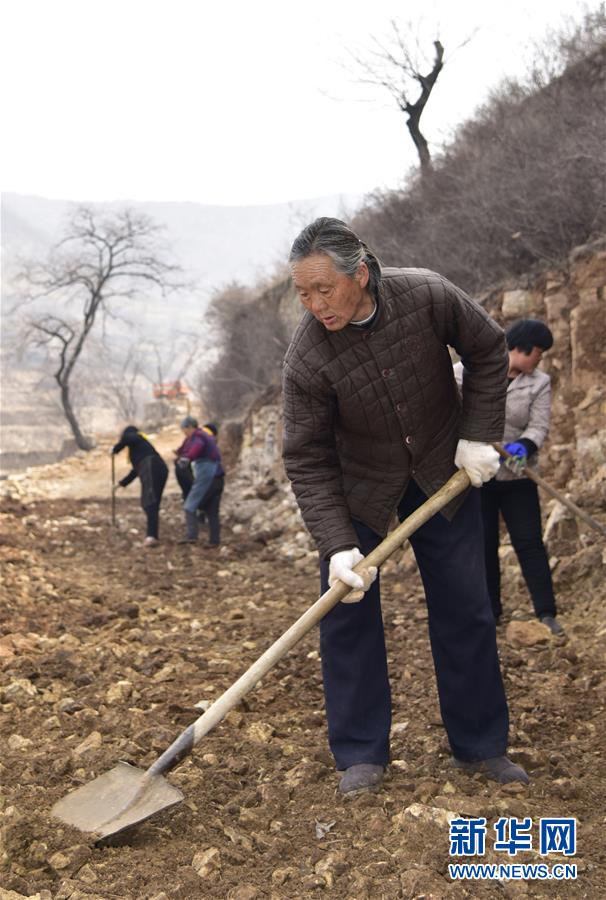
(237, 838)
(331, 866)
(260, 732)
(118, 692)
(13, 895)
(399, 727)
(421, 813)
(72, 858)
(92, 742)
(244, 892)
(305, 772)
(527, 757)
(87, 874)
(16, 742)
(207, 863)
(313, 883)
(20, 691)
(527, 634)
(516, 304)
(281, 876)
(69, 705)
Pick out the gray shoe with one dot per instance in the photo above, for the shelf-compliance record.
(553, 625)
(361, 777)
(497, 768)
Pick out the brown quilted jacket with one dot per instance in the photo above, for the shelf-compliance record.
(367, 409)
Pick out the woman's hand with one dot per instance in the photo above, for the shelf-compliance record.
(341, 569)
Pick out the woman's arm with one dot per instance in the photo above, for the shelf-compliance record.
(313, 467)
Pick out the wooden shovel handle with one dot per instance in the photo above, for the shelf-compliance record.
(529, 473)
(113, 490)
(186, 741)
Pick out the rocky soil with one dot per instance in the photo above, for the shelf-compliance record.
(107, 651)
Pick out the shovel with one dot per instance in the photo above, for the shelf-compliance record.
(557, 495)
(127, 795)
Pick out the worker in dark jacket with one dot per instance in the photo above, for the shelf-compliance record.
(373, 425)
(150, 468)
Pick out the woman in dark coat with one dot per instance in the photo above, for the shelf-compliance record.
(148, 465)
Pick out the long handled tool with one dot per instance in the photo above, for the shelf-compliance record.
(113, 490)
(529, 473)
(127, 795)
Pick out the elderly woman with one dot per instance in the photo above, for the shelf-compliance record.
(373, 425)
(510, 493)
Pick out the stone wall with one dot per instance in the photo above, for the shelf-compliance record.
(571, 300)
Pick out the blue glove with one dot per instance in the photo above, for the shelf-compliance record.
(517, 449)
(517, 460)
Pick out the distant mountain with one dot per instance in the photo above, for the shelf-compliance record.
(214, 244)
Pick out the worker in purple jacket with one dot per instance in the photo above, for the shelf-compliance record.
(199, 450)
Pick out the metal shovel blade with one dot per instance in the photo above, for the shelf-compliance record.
(116, 800)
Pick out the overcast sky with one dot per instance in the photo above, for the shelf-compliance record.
(237, 102)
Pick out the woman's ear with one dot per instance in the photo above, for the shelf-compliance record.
(362, 276)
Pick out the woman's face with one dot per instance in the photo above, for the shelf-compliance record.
(520, 362)
(333, 298)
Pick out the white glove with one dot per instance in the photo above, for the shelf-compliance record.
(480, 461)
(341, 569)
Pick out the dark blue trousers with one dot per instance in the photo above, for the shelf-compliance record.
(450, 556)
(518, 503)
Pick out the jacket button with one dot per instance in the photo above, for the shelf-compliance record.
(398, 407)
(386, 372)
(408, 439)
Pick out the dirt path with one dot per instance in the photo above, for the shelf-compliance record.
(107, 649)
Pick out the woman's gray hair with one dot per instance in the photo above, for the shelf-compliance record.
(189, 422)
(336, 239)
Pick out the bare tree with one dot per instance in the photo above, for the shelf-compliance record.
(123, 382)
(103, 261)
(251, 338)
(171, 361)
(523, 183)
(404, 71)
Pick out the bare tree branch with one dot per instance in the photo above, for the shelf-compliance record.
(393, 66)
(101, 260)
